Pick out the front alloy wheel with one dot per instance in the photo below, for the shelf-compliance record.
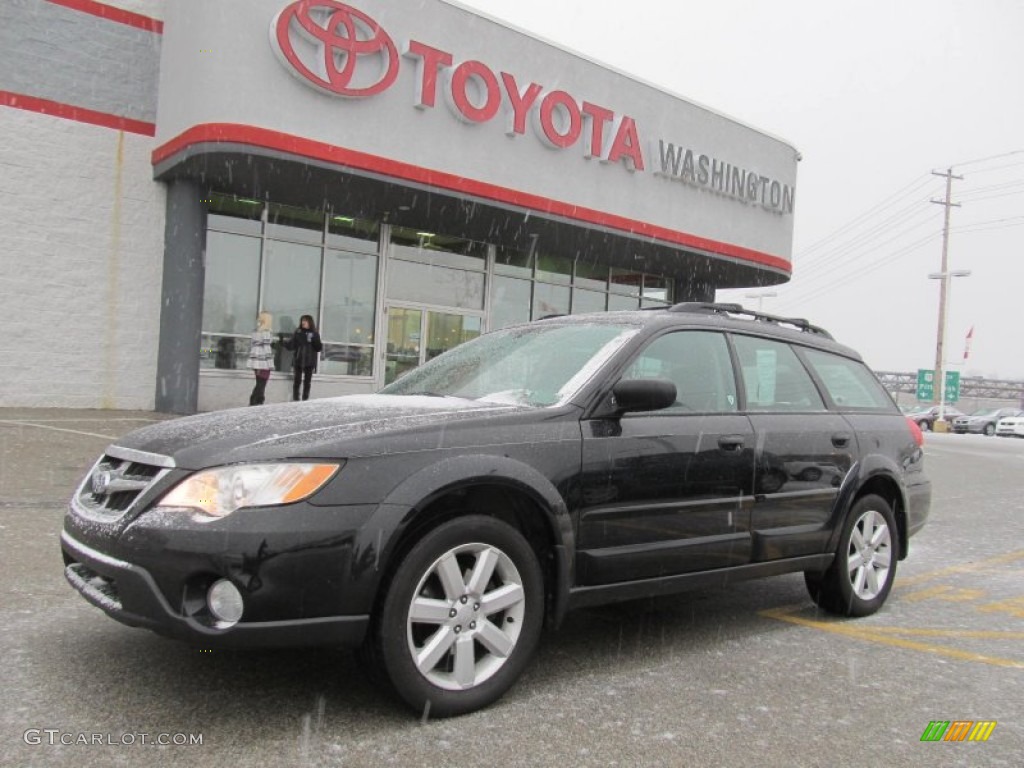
(861, 576)
(462, 615)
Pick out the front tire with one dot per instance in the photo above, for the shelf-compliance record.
(462, 616)
(861, 576)
(990, 429)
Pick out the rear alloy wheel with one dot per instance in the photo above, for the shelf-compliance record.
(990, 429)
(861, 576)
(462, 616)
(924, 425)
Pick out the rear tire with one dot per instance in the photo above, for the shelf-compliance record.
(861, 576)
(990, 429)
(462, 616)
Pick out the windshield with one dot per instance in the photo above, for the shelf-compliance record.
(538, 365)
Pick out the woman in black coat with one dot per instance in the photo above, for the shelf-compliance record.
(306, 345)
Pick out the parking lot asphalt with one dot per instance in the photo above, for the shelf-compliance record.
(751, 675)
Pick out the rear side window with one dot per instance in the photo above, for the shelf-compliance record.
(850, 384)
(774, 377)
(698, 363)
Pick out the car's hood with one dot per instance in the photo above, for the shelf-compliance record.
(350, 425)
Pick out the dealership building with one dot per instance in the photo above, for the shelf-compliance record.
(411, 174)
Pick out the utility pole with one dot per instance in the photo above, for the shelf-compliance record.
(939, 386)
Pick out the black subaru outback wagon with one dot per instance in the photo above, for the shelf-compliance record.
(439, 524)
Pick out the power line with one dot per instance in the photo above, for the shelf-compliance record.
(814, 275)
(904, 191)
(794, 292)
(990, 157)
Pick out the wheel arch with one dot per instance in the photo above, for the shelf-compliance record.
(499, 486)
(876, 475)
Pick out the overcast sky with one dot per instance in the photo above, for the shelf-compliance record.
(875, 95)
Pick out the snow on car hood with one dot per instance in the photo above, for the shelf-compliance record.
(341, 426)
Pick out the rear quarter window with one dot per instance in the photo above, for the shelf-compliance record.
(850, 384)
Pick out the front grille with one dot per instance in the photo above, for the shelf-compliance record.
(114, 485)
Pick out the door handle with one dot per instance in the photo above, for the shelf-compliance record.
(730, 442)
(841, 439)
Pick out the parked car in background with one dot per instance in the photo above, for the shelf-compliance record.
(1011, 426)
(439, 524)
(926, 416)
(983, 421)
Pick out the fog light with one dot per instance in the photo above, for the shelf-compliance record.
(225, 602)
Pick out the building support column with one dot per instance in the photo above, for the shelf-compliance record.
(181, 306)
(691, 289)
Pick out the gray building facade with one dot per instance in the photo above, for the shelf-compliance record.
(411, 175)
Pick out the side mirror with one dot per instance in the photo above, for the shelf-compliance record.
(634, 395)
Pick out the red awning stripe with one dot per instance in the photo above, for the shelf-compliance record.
(231, 133)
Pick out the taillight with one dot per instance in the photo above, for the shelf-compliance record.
(916, 432)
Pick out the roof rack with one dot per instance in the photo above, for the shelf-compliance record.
(711, 308)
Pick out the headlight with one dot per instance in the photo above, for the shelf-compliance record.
(219, 492)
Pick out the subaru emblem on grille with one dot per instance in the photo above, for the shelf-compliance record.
(100, 483)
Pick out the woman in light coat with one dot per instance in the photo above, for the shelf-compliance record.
(261, 357)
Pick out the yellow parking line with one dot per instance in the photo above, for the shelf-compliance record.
(984, 634)
(966, 568)
(870, 635)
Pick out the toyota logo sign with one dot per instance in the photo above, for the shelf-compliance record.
(335, 47)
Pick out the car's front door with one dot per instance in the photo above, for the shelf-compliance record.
(669, 492)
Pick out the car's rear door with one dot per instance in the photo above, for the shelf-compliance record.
(803, 451)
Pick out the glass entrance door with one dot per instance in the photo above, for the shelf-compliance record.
(404, 348)
(416, 335)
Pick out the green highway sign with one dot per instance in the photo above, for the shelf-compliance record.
(952, 386)
(925, 388)
(926, 385)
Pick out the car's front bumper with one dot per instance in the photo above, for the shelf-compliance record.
(130, 594)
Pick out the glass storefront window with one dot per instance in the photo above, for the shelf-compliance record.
(281, 269)
(291, 275)
(224, 351)
(587, 301)
(437, 249)
(591, 275)
(617, 302)
(350, 234)
(350, 293)
(346, 359)
(510, 302)
(550, 300)
(657, 288)
(229, 213)
(427, 284)
(232, 283)
(231, 224)
(445, 330)
(509, 261)
(348, 313)
(554, 269)
(295, 224)
(626, 281)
